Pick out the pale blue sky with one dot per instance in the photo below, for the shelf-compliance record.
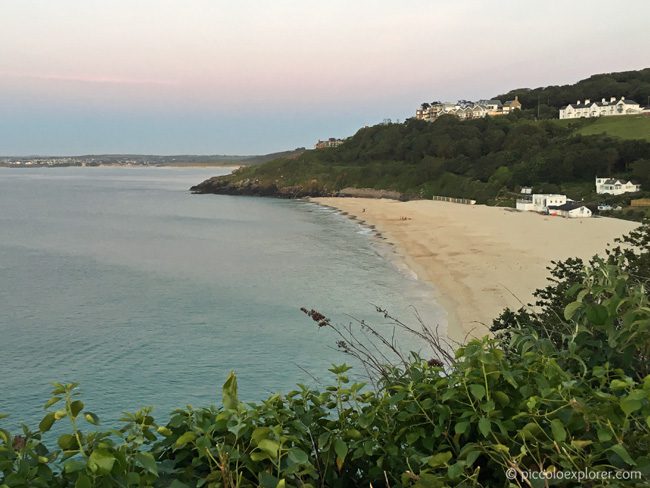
(252, 76)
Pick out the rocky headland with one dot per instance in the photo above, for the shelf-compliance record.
(227, 185)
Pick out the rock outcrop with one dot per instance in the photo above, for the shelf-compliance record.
(226, 185)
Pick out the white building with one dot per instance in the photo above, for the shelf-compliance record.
(604, 108)
(570, 210)
(614, 186)
(539, 202)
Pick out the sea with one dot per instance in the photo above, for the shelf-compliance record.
(121, 280)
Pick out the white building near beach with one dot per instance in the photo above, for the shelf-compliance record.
(570, 210)
(539, 202)
(614, 186)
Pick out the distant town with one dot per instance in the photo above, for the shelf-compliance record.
(141, 160)
(116, 160)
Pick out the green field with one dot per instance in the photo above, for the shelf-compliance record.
(625, 127)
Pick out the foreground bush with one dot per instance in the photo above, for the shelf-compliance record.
(578, 399)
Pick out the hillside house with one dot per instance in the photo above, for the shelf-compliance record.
(604, 108)
(464, 109)
(613, 186)
(331, 142)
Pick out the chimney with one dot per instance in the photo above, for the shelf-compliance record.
(622, 98)
(578, 102)
(612, 100)
(603, 100)
(587, 101)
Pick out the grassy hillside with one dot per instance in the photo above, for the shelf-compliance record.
(625, 127)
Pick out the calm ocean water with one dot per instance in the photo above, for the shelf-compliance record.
(121, 280)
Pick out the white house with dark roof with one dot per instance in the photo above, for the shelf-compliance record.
(604, 108)
(570, 210)
(613, 186)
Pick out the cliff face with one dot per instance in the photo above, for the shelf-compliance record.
(225, 185)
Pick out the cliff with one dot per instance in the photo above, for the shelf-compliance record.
(226, 185)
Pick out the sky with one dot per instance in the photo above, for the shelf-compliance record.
(253, 76)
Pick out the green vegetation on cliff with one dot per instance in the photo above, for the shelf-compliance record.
(564, 391)
(485, 159)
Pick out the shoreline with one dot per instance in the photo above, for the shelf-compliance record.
(478, 260)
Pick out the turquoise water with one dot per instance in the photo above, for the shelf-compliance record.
(121, 280)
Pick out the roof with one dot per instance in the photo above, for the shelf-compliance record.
(490, 102)
(612, 181)
(567, 206)
(599, 104)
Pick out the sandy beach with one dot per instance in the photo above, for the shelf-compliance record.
(479, 259)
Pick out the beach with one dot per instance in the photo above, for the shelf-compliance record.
(479, 259)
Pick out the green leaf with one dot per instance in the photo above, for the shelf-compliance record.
(478, 391)
(629, 405)
(257, 456)
(46, 423)
(68, 442)
(259, 434)
(455, 471)
(51, 402)
(501, 398)
(267, 480)
(461, 427)
(76, 407)
(187, 437)
(571, 309)
(73, 466)
(623, 454)
(618, 384)
(580, 444)
(91, 418)
(229, 392)
(471, 457)
(597, 314)
(604, 435)
(270, 447)
(340, 448)
(101, 461)
(178, 484)
(162, 430)
(298, 456)
(83, 481)
(440, 459)
(484, 426)
(557, 428)
(147, 461)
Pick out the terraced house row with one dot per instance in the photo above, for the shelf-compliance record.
(604, 108)
(465, 109)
